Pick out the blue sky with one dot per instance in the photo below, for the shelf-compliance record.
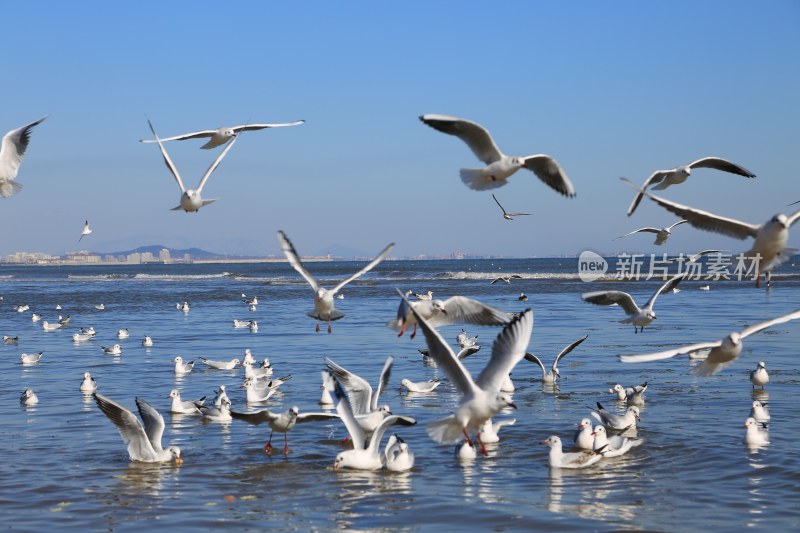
(608, 89)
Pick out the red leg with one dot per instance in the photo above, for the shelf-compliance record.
(414, 333)
(483, 448)
(330, 329)
(317, 327)
(268, 447)
(285, 443)
(469, 440)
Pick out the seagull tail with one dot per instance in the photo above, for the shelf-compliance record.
(475, 180)
(9, 187)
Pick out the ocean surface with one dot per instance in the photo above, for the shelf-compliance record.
(64, 464)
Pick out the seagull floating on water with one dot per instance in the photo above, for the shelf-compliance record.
(499, 167)
(30, 358)
(221, 365)
(615, 421)
(181, 367)
(112, 350)
(15, 143)
(147, 341)
(630, 395)
(560, 459)
(757, 434)
(191, 199)
(123, 333)
(88, 384)
(759, 377)
(664, 178)
(220, 136)
(364, 399)
(759, 411)
(398, 456)
(28, 397)
(179, 406)
(144, 442)
(323, 298)
(721, 353)
(639, 317)
(583, 438)
(612, 445)
(490, 430)
(420, 386)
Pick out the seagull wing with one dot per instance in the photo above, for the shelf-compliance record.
(254, 127)
(215, 164)
(380, 257)
(533, 359)
(498, 203)
(654, 179)
(193, 135)
(466, 352)
(666, 354)
(721, 164)
(462, 309)
(755, 328)
(444, 357)
(383, 382)
(315, 417)
(360, 391)
(610, 298)
(549, 171)
(256, 417)
(678, 223)
(344, 410)
(793, 218)
(666, 287)
(706, 221)
(132, 432)
(648, 230)
(508, 349)
(391, 420)
(153, 423)
(15, 143)
(167, 160)
(476, 136)
(294, 259)
(567, 350)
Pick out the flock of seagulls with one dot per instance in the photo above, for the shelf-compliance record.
(470, 426)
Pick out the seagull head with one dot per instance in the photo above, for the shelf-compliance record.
(634, 411)
(504, 400)
(176, 454)
(228, 132)
(551, 441)
(385, 410)
(781, 220)
(651, 315)
(438, 305)
(293, 412)
(733, 340)
(174, 394)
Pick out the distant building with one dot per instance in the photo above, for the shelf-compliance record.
(163, 255)
(82, 257)
(187, 258)
(30, 257)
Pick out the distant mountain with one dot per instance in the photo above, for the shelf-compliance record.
(196, 253)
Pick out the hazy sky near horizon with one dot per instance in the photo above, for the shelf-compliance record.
(609, 89)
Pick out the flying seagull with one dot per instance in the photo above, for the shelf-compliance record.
(15, 142)
(664, 178)
(770, 238)
(639, 317)
(86, 231)
(499, 167)
(221, 136)
(662, 234)
(506, 215)
(191, 200)
(721, 353)
(323, 298)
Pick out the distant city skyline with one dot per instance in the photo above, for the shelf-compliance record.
(607, 89)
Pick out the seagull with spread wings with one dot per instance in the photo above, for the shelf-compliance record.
(769, 249)
(15, 143)
(550, 376)
(662, 234)
(144, 442)
(323, 298)
(639, 317)
(220, 136)
(721, 353)
(191, 199)
(507, 215)
(499, 167)
(664, 178)
(281, 422)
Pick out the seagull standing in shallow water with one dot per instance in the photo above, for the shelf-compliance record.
(281, 422)
(759, 377)
(191, 199)
(499, 167)
(323, 298)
